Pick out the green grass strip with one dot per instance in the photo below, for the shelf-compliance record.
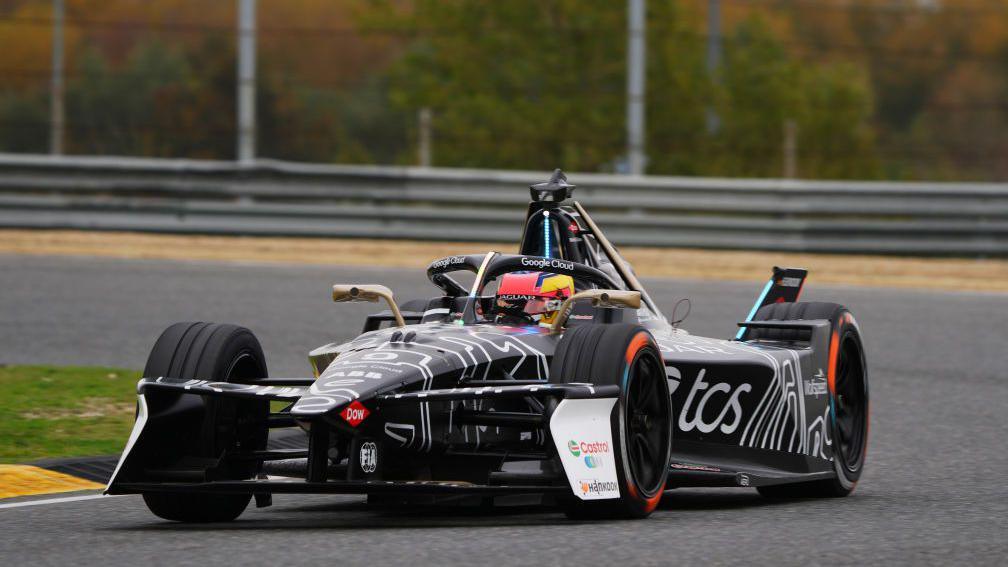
(64, 411)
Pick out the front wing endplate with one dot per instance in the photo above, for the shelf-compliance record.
(582, 432)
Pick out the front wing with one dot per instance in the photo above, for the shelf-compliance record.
(581, 415)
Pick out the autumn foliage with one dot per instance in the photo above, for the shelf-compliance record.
(891, 89)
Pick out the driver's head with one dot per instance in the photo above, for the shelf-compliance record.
(534, 297)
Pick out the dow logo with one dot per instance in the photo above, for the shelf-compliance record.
(355, 413)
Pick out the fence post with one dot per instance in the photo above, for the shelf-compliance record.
(635, 86)
(424, 118)
(246, 150)
(790, 149)
(56, 110)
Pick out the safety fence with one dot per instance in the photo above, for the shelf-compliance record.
(271, 197)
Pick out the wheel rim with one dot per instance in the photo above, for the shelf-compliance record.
(647, 422)
(850, 406)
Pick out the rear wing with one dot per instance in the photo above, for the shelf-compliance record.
(785, 286)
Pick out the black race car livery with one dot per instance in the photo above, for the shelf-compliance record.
(446, 399)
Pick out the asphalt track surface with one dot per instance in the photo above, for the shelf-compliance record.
(935, 490)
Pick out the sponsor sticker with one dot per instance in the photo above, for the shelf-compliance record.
(449, 261)
(588, 447)
(368, 457)
(692, 467)
(582, 434)
(516, 297)
(816, 385)
(543, 263)
(598, 488)
(722, 396)
(354, 413)
(790, 282)
(592, 451)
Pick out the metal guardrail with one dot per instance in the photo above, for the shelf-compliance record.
(282, 198)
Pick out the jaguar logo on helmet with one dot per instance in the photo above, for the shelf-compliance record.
(532, 297)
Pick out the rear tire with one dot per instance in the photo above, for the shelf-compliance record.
(848, 398)
(220, 353)
(625, 355)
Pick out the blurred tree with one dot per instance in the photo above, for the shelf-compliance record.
(160, 103)
(25, 58)
(327, 84)
(350, 125)
(963, 144)
(835, 135)
(679, 91)
(522, 84)
(761, 90)
(916, 56)
(540, 85)
(875, 87)
(24, 119)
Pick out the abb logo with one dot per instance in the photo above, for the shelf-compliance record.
(354, 413)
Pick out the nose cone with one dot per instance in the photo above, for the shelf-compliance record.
(361, 374)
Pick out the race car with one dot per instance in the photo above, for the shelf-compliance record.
(549, 375)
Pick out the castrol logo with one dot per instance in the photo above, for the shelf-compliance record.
(578, 448)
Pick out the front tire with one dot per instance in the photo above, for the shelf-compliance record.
(220, 353)
(628, 356)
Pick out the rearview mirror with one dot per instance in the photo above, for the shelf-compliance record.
(598, 298)
(368, 292)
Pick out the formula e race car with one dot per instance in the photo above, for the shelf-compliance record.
(549, 375)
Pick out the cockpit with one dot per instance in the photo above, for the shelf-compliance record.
(560, 245)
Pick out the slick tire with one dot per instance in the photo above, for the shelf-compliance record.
(849, 402)
(220, 353)
(628, 356)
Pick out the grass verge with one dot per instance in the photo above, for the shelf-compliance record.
(49, 411)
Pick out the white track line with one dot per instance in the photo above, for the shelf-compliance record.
(53, 500)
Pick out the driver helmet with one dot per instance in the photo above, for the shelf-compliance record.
(533, 296)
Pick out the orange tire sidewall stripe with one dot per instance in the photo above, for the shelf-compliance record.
(651, 503)
(834, 352)
(639, 341)
(833, 348)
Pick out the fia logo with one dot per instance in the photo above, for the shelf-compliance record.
(368, 457)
